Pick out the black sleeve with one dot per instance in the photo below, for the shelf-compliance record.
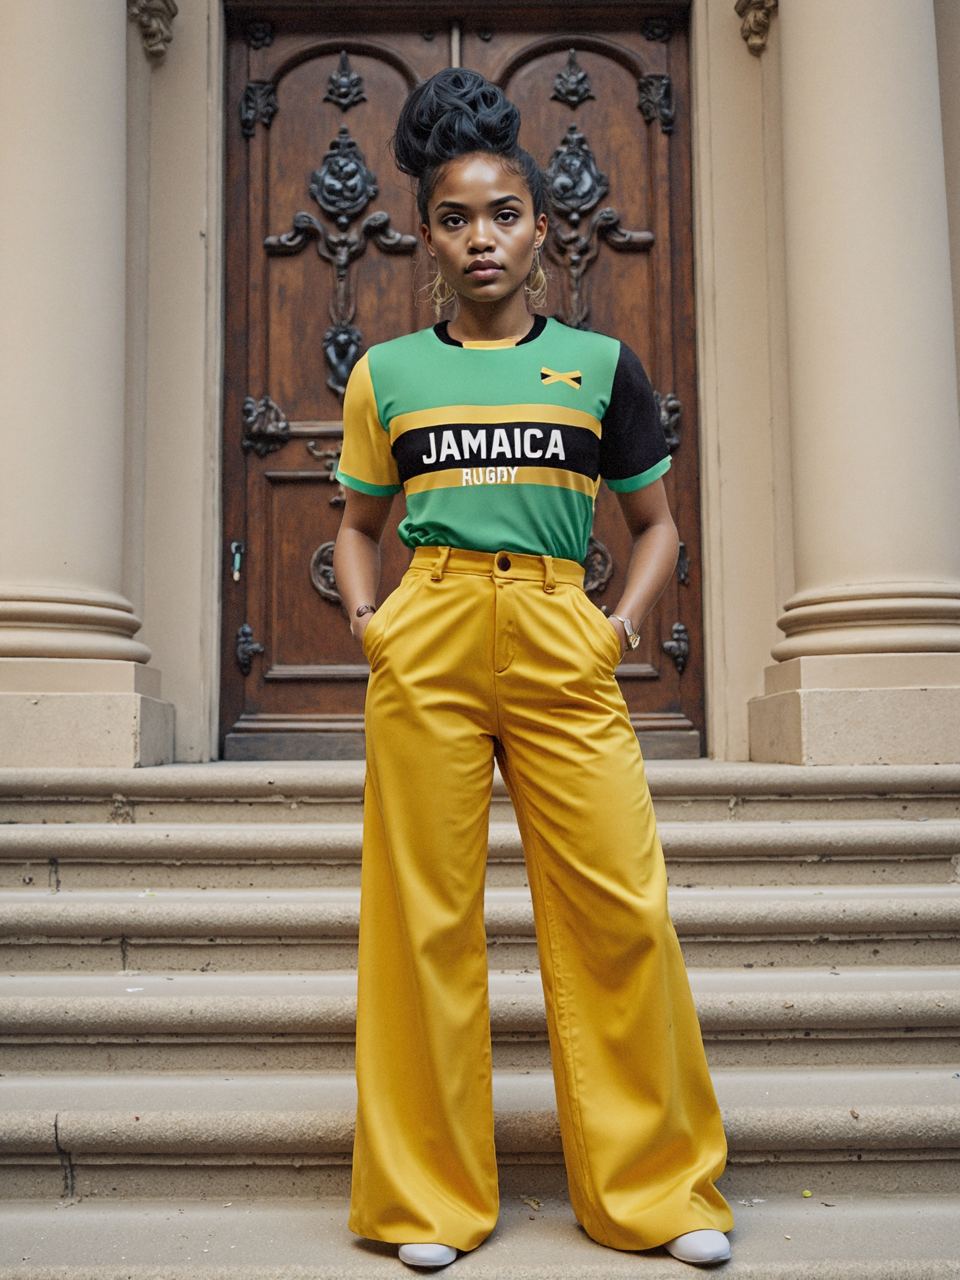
(633, 448)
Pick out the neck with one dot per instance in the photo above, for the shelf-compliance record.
(488, 321)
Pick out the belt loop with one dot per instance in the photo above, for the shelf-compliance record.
(436, 573)
(549, 581)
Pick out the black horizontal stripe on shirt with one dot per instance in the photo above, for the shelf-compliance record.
(581, 448)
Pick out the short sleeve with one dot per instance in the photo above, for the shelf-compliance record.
(633, 447)
(366, 461)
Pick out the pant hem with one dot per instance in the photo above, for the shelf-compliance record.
(662, 1237)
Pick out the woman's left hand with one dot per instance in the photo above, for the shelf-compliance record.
(621, 631)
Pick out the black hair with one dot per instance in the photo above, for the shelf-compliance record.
(455, 112)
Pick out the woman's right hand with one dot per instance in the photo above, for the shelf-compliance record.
(359, 625)
(356, 555)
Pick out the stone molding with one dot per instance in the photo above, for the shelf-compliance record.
(755, 16)
(68, 622)
(155, 18)
(883, 618)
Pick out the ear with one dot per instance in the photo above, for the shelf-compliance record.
(541, 227)
(427, 238)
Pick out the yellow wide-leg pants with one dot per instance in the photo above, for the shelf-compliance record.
(475, 655)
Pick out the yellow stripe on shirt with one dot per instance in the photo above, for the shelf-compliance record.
(495, 414)
(453, 478)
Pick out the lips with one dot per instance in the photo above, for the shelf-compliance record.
(484, 266)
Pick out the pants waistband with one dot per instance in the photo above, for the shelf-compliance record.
(497, 564)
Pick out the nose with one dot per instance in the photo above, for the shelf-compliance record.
(480, 235)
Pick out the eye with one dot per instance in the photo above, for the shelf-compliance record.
(511, 214)
(446, 221)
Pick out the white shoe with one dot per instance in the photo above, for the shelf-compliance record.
(427, 1255)
(700, 1246)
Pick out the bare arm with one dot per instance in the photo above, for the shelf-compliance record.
(653, 558)
(356, 554)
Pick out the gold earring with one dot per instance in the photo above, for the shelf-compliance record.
(536, 283)
(441, 295)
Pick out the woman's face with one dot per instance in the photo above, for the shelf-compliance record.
(480, 212)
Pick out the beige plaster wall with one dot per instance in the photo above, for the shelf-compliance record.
(741, 335)
(137, 347)
(947, 16)
(176, 392)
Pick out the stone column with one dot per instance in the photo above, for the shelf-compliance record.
(74, 685)
(869, 667)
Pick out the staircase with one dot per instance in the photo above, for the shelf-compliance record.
(177, 1001)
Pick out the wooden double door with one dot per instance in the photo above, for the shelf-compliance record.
(323, 259)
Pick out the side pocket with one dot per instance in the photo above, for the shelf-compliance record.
(608, 636)
(366, 638)
(376, 629)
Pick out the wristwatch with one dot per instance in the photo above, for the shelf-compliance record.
(633, 637)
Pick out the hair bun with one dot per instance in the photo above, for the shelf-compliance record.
(455, 111)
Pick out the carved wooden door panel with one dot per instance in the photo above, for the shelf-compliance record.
(323, 260)
(606, 112)
(320, 234)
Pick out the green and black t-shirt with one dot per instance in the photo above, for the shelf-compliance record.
(501, 445)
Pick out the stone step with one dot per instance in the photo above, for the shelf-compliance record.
(775, 1237)
(269, 1133)
(85, 930)
(297, 791)
(227, 855)
(75, 1023)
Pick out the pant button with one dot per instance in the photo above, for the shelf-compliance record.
(503, 562)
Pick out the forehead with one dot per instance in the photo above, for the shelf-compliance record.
(477, 178)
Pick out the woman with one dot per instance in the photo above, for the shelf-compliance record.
(498, 426)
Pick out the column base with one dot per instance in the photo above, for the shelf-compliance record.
(883, 708)
(61, 713)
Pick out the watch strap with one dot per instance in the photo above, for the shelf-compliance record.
(633, 637)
